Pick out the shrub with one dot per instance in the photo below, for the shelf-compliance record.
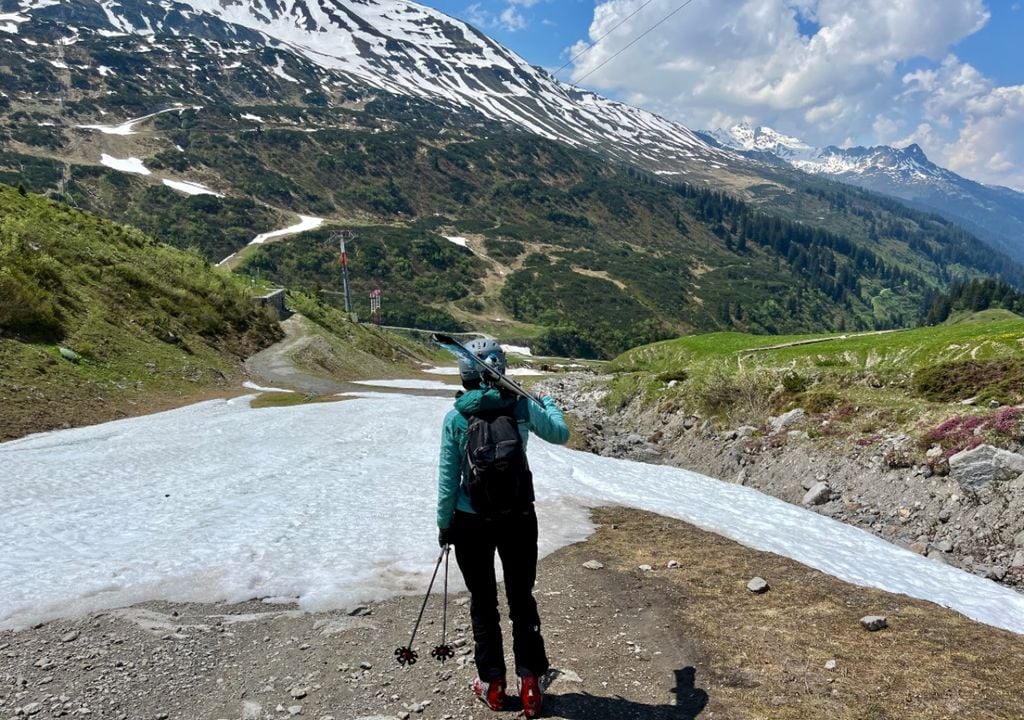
(898, 457)
(1001, 379)
(819, 402)
(741, 396)
(676, 374)
(27, 310)
(963, 432)
(794, 382)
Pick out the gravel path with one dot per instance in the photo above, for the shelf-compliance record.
(615, 645)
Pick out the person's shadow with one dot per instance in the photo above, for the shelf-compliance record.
(690, 700)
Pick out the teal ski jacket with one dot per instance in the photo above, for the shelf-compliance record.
(547, 422)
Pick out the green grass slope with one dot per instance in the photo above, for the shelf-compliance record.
(97, 318)
(858, 384)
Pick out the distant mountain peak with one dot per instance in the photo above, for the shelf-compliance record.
(996, 214)
(760, 138)
(915, 152)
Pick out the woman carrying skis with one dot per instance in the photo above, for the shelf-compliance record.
(485, 505)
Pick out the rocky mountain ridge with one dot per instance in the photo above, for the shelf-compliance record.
(398, 47)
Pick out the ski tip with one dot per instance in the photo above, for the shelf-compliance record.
(442, 339)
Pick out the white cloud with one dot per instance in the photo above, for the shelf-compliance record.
(973, 127)
(512, 19)
(868, 72)
(476, 15)
(990, 144)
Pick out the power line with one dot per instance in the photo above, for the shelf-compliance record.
(634, 41)
(591, 46)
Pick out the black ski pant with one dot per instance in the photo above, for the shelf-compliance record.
(514, 537)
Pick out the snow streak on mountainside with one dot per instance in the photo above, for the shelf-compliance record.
(408, 49)
(995, 214)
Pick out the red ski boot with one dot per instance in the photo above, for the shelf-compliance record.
(492, 693)
(531, 695)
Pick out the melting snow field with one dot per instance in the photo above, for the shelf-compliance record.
(128, 165)
(410, 384)
(190, 188)
(333, 504)
(127, 127)
(305, 223)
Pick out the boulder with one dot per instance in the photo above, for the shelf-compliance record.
(819, 494)
(874, 622)
(976, 468)
(757, 585)
(787, 420)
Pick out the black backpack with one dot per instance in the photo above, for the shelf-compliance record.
(498, 478)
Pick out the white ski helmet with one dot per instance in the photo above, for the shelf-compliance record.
(489, 351)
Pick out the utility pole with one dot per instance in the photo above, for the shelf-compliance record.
(375, 306)
(343, 259)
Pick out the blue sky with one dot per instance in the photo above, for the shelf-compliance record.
(946, 74)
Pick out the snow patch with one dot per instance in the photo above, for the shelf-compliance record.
(517, 349)
(128, 165)
(280, 72)
(442, 370)
(191, 188)
(253, 386)
(408, 384)
(125, 128)
(306, 222)
(460, 241)
(9, 22)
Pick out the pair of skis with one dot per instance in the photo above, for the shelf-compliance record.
(490, 375)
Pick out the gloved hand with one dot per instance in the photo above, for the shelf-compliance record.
(540, 397)
(445, 536)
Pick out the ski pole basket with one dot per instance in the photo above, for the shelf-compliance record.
(405, 655)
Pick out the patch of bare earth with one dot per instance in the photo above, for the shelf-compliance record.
(686, 642)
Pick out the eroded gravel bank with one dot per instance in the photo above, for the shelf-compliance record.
(980, 531)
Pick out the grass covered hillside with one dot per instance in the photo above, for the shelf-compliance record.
(954, 384)
(576, 255)
(96, 317)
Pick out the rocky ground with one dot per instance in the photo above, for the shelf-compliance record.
(616, 640)
(970, 516)
(649, 619)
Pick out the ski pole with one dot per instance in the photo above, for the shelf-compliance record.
(406, 655)
(444, 651)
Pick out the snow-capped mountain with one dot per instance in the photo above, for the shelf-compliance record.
(399, 47)
(763, 139)
(995, 214)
